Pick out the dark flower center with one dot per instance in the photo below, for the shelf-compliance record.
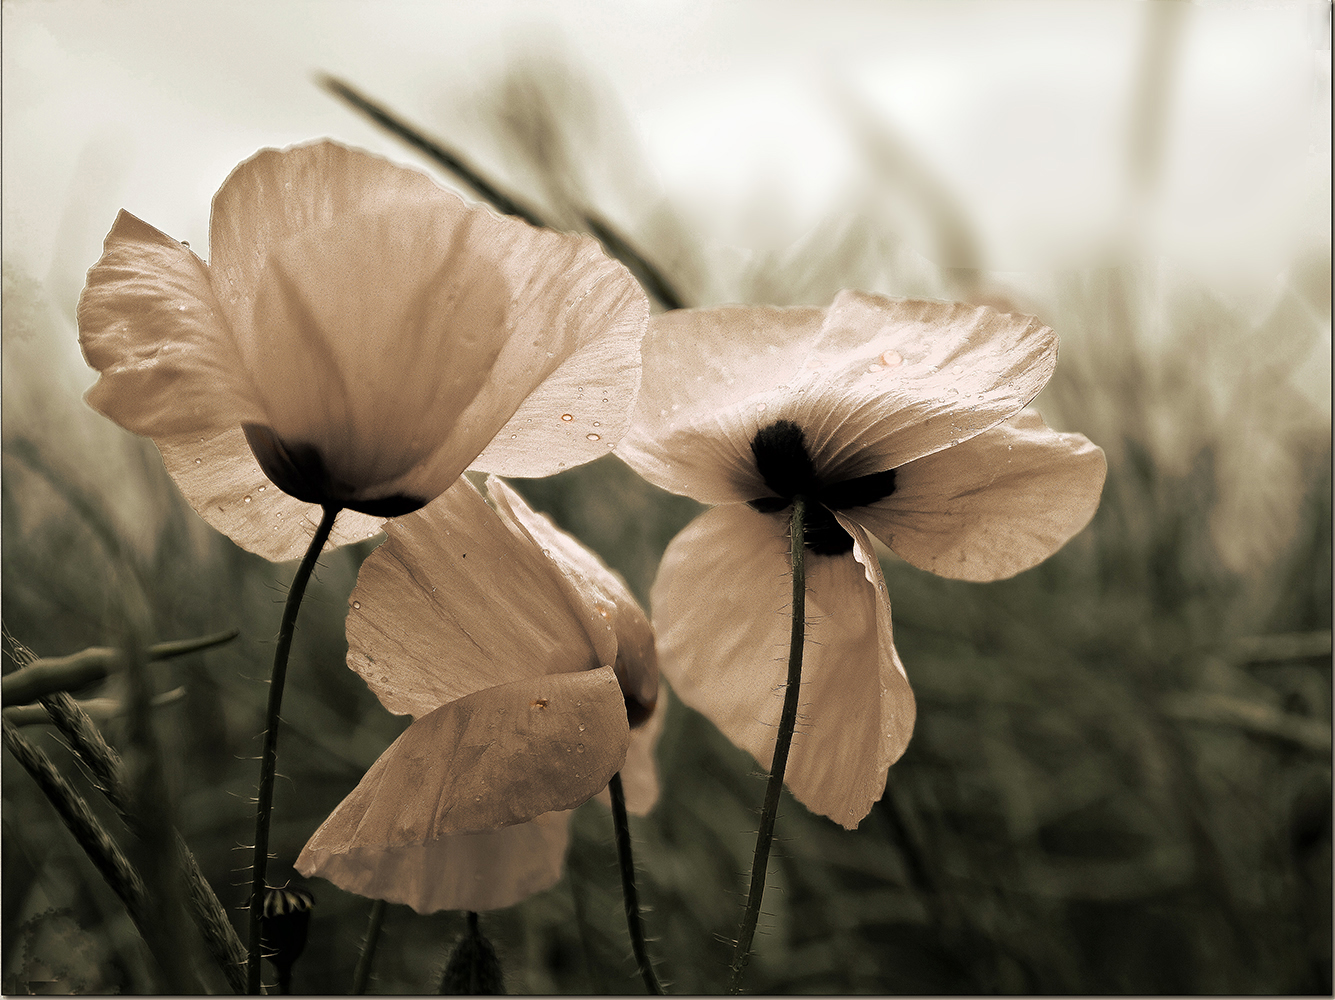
(300, 471)
(786, 467)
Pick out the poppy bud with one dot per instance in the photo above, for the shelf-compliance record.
(473, 968)
(287, 915)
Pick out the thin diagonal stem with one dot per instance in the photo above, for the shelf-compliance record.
(269, 758)
(362, 975)
(784, 740)
(628, 892)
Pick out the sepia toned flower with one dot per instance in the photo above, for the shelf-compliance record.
(359, 337)
(531, 676)
(894, 418)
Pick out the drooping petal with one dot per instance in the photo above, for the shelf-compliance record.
(639, 775)
(698, 365)
(462, 871)
(617, 627)
(219, 476)
(495, 758)
(996, 504)
(454, 602)
(150, 324)
(721, 606)
(880, 383)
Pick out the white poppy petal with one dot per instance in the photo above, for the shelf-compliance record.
(587, 314)
(639, 775)
(721, 606)
(454, 602)
(996, 504)
(219, 477)
(495, 758)
(150, 324)
(463, 871)
(617, 627)
(277, 194)
(710, 376)
(893, 380)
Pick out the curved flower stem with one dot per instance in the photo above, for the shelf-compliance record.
(363, 973)
(784, 740)
(269, 758)
(628, 893)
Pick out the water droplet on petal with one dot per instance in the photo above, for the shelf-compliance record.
(873, 368)
(581, 727)
(245, 499)
(567, 417)
(263, 488)
(891, 358)
(953, 391)
(760, 407)
(198, 460)
(513, 436)
(593, 437)
(595, 423)
(958, 369)
(580, 748)
(356, 604)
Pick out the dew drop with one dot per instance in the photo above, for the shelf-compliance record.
(581, 727)
(891, 358)
(186, 244)
(546, 552)
(593, 437)
(958, 369)
(567, 417)
(263, 488)
(595, 423)
(180, 307)
(356, 604)
(477, 798)
(579, 748)
(513, 436)
(604, 399)
(760, 407)
(875, 368)
(245, 499)
(198, 461)
(953, 391)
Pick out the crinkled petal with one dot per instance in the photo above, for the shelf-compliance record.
(463, 871)
(495, 758)
(882, 382)
(722, 606)
(617, 627)
(454, 602)
(996, 504)
(397, 329)
(278, 194)
(698, 364)
(588, 313)
(150, 324)
(219, 476)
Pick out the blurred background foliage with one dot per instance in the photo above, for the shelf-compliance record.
(1120, 780)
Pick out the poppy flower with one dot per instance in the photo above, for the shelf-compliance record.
(531, 676)
(359, 337)
(895, 418)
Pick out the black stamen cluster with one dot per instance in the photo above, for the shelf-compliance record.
(299, 470)
(785, 465)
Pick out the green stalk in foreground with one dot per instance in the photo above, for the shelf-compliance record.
(787, 722)
(269, 758)
(628, 892)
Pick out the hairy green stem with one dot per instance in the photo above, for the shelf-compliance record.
(782, 743)
(362, 975)
(269, 757)
(628, 891)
